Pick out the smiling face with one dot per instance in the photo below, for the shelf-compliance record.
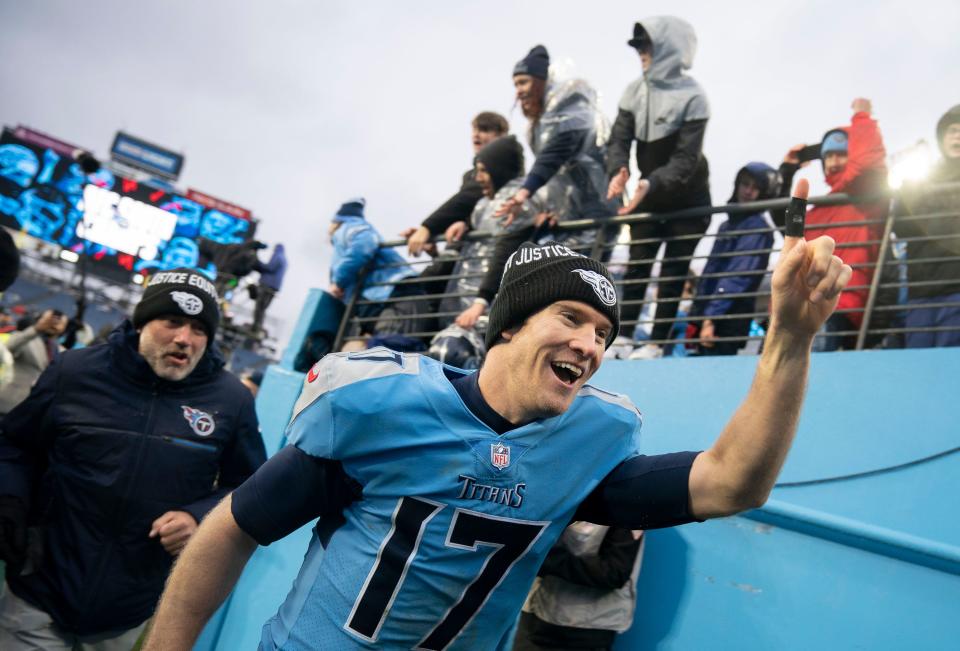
(173, 346)
(530, 94)
(550, 357)
(834, 162)
(481, 137)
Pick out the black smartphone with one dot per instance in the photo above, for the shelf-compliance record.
(808, 153)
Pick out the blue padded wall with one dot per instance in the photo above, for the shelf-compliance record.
(867, 562)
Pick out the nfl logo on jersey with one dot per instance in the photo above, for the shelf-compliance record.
(499, 455)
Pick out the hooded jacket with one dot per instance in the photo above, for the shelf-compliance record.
(503, 160)
(99, 450)
(569, 142)
(747, 254)
(927, 199)
(480, 267)
(858, 244)
(356, 244)
(666, 112)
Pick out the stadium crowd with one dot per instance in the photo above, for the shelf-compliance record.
(112, 454)
(580, 171)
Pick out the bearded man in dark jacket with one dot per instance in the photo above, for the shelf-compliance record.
(109, 465)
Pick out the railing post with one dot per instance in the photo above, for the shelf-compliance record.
(875, 282)
(347, 313)
(605, 231)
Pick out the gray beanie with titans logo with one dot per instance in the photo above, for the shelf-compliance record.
(179, 292)
(536, 276)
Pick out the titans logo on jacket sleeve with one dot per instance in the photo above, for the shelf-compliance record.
(454, 520)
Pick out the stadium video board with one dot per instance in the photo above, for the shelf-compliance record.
(122, 225)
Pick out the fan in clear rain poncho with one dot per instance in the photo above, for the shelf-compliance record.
(499, 170)
(567, 134)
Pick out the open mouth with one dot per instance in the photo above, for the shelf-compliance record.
(567, 373)
(178, 358)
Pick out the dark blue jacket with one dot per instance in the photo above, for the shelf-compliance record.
(734, 254)
(272, 273)
(103, 447)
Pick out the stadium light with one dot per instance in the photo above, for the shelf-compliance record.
(910, 164)
(137, 279)
(68, 255)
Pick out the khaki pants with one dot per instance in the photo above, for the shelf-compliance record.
(25, 628)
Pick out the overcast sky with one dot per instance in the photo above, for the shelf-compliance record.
(288, 108)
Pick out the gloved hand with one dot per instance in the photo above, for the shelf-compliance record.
(13, 533)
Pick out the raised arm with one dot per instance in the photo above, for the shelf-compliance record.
(739, 470)
(202, 578)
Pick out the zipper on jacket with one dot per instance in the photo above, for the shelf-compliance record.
(646, 85)
(106, 552)
(196, 445)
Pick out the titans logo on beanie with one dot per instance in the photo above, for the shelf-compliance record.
(537, 276)
(176, 292)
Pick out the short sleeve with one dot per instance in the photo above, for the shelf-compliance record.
(312, 428)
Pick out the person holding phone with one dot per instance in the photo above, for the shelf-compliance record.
(854, 162)
(33, 348)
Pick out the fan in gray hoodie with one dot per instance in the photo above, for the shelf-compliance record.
(665, 111)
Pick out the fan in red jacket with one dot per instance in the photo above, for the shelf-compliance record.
(853, 160)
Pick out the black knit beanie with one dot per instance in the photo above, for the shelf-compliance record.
(536, 63)
(503, 159)
(182, 291)
(537, 276)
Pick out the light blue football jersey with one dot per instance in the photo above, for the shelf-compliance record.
(454, 521)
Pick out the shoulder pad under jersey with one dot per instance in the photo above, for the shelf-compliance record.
(338, 370)
(618, 399)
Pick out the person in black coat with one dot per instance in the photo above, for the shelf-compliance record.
(109, 465)
(485, 128)
(927, 217)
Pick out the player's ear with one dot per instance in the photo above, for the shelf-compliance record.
(508, 334)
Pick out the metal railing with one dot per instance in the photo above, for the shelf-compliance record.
(880, 317)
